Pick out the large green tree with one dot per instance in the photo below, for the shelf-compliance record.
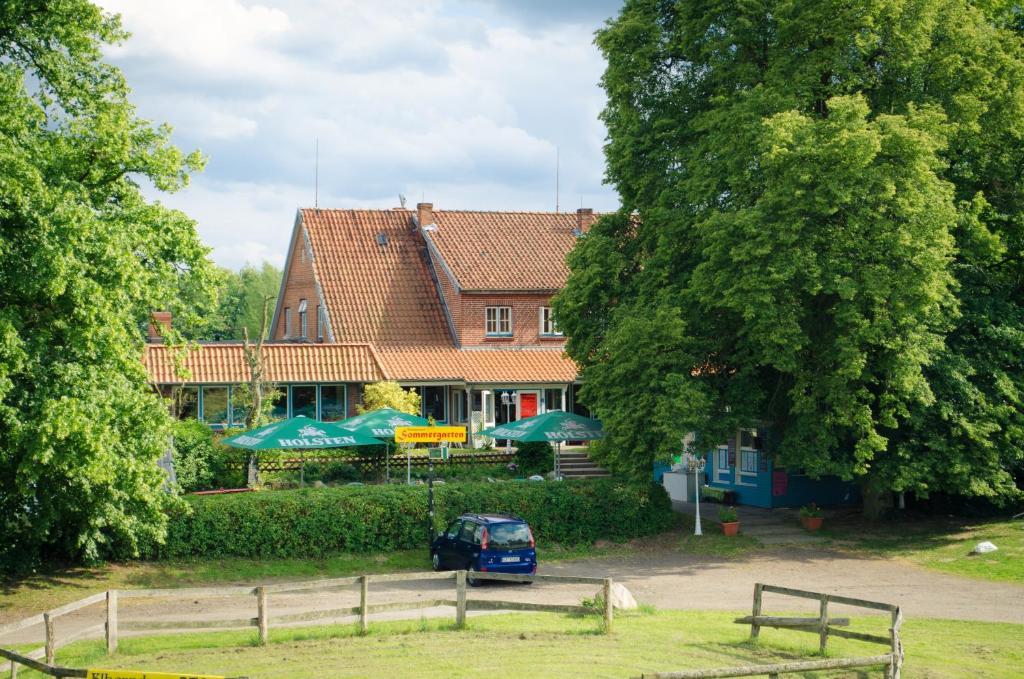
(822, 225)
(235, 304)
(84, 257)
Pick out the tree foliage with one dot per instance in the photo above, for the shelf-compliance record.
(822, 227)
(84, 257)
(389, 395)
(236, 303)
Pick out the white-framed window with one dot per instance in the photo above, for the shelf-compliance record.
(748, 461)
(303, 327)
(721, 468)
(498, 321)
(547, 323)
(320, 322)
(458, 405)
(722, 458)
(287, 321)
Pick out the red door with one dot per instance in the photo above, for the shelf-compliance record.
(527, 405)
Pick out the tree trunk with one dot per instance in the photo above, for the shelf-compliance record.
(254, 357)
(877, 498)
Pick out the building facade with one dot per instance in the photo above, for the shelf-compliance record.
(455, 304)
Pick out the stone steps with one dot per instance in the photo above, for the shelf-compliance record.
(577, 465)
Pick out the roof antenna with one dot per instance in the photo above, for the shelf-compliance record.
(401, 200)
(556, 178)
(316, 173)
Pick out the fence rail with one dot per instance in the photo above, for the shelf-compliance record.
(823, 625)
(264, 619)
(374, 463)
(776, 669)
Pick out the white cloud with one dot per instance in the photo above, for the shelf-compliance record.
(450, 101)
(215, 37)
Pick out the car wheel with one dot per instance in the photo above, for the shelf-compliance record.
(473, 581)
(435, 561)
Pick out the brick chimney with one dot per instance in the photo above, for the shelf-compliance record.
(159, 321)
(584, 218)
(424, 214)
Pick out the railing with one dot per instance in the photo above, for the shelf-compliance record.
(823, 625)
(367, 463)
(264, 620)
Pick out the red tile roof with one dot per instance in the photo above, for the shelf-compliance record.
(384, 306)
(501, 366)
(225, 363)
(506, 250)
(380, 294)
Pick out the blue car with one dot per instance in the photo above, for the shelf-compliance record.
(486, 543)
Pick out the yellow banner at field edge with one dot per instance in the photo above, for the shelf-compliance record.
(430, 434)
(136, 674)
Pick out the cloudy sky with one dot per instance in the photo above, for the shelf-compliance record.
(460, 103)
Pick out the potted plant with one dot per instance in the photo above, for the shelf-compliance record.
(811, 517)
(729, 519)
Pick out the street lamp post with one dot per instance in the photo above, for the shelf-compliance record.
(506, 400)
(695, 463)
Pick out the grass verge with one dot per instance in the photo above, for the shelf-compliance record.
(939, 544)
(540, 645)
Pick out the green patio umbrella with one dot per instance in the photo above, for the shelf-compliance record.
(381, 423)
(553, 427)
(300, 433)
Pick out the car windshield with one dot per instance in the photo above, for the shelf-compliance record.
(508, 536)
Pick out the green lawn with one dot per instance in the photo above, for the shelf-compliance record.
(943, 545)
(548, 645)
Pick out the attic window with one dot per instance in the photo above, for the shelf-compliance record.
(382, 239)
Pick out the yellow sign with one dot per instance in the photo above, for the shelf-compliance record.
(430, 434)
(134, 674)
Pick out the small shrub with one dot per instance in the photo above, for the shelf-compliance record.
(335, 471)
(200, 463)
(712, 494)
(727, 514)
(535, 457)
(314, 523)
(811, 511)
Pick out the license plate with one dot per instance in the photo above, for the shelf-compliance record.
(510, 559)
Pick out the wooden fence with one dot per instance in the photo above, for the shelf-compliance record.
(823, 625)
(263, 620)
(375, 462)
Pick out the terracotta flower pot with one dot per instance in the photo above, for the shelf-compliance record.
(731, 528)
(812, 523)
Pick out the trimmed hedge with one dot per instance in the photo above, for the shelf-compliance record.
(315, 522)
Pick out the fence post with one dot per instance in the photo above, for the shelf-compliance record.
(755, 629)
(823, 624)
(261, 614)
(896, 645)
(460, 599)
(364, 606)
(111, 621)
(14, 670)
(51, 640)
(608, 605)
